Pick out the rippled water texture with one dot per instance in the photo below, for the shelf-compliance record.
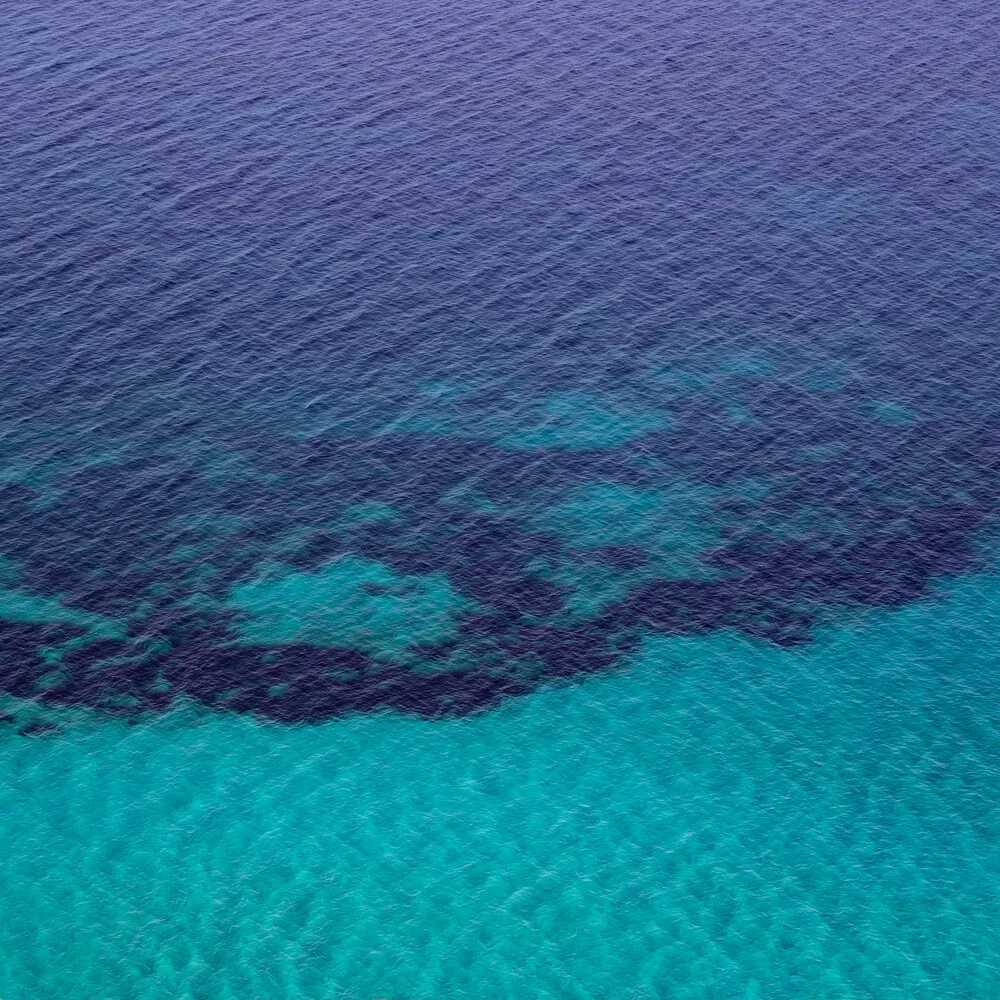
(499, 499)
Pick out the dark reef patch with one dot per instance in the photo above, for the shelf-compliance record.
(158, 550)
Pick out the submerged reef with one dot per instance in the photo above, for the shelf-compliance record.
(438, 574)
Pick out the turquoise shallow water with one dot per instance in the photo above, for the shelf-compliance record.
(719, 818)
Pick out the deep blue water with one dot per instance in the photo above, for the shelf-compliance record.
(287, 283)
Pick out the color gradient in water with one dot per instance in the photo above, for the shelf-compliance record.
(499, 499)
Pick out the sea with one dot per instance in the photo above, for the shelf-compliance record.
(499, 500)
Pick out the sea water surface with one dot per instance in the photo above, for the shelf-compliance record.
(499, 499)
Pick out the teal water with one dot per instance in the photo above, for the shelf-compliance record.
(720, 817)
